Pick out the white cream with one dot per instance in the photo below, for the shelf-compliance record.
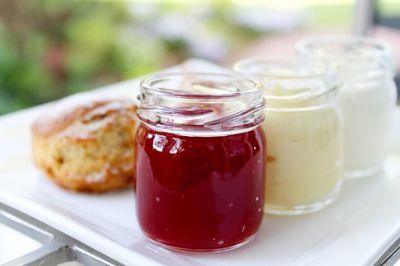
(368, 110)
(367, 98)
(304, 157)
(304, 133)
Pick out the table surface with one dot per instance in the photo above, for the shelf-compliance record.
(354, 230)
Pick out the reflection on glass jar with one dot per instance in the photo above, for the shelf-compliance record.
(367, 98)
(200, 161)
(304, 133)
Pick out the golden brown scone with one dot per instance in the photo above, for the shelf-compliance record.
(86, 145)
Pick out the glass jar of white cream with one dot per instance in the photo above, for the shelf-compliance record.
(304, 133)
(367, 98)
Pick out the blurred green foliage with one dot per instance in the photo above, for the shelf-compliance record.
(51, 48)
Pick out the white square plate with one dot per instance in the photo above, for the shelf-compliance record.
(354, 230)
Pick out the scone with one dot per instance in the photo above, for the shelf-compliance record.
(87, 145)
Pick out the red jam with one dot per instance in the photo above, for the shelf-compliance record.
(200, 193)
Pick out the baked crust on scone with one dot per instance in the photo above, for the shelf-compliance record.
(87, 145)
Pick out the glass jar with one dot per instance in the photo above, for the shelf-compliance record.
(200, 164)
(304, 133)
(367, 98)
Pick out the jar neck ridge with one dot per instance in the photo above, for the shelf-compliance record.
(200, 104)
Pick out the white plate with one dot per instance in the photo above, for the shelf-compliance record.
(355, 230)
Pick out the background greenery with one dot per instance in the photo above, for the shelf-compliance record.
(52, 48)
(49, 49)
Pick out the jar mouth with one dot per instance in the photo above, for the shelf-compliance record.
(196, 82)
(285, 68)
(196, 103)
(346, 48)
(289, 82)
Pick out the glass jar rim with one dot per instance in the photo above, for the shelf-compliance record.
(328, 67)
(149, 82)
(303, 79)
(201, 103)
(376, 48)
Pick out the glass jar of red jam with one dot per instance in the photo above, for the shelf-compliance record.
(200, 160)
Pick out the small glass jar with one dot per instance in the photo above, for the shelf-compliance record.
(304, 133)
(367, 98)
(200, 164)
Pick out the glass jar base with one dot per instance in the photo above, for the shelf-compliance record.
(368, 172)
(202, 250)
(304, 208)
